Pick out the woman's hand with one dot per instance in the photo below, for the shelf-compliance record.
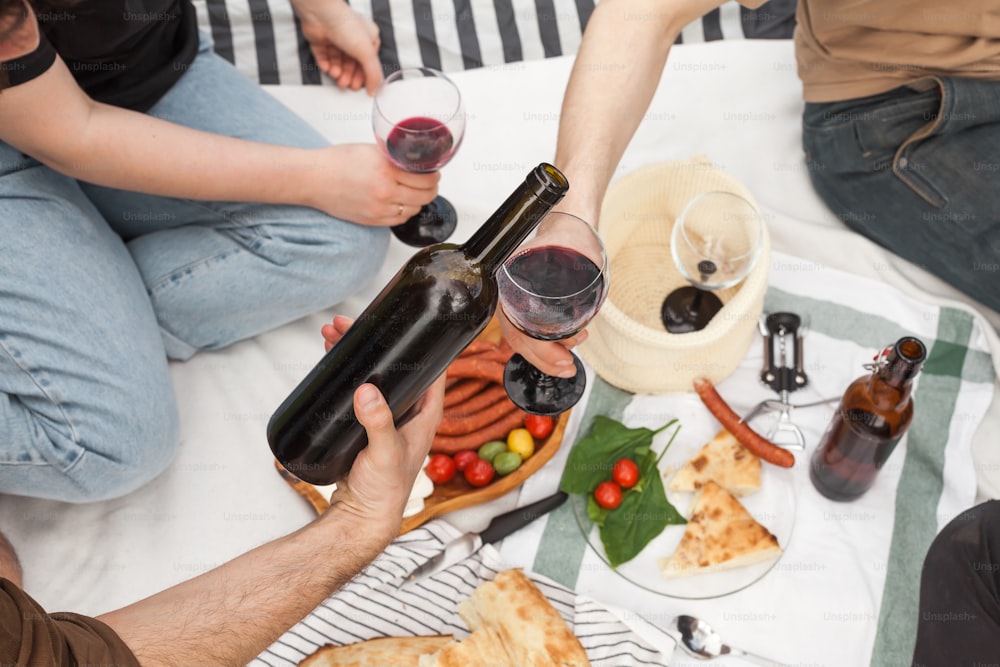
(379, 484)
(357, 182)
(550, 357)
(344, 43)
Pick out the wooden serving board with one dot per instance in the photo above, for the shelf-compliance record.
(458, 493)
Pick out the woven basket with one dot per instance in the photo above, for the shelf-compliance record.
(628, 345)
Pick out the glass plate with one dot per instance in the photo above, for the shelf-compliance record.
(773, 505)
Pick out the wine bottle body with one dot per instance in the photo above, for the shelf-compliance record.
(431, 310)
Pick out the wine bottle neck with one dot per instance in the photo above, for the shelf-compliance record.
(513, 221)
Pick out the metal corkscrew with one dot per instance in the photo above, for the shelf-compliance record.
(784, 372)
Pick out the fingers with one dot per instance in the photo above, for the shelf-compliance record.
(419, 182)
(332, 333)
(374, 414)
(550, 357)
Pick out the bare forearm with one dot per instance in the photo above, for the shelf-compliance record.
(230, 614)
(614, 78)
(157, 157)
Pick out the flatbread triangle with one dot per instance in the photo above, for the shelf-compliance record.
(725, 461)
(720, 534)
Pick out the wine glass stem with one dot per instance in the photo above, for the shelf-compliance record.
(696, 301)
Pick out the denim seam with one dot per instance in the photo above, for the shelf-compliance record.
(915, 181)
(66, 419)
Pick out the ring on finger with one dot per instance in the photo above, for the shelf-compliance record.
(399, 212)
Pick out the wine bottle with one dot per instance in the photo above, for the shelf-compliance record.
(873, 415)
(437, 303)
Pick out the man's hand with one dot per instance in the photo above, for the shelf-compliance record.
(379, 484)
(344, 43)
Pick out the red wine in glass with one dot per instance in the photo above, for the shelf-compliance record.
(419, 122)
(551, 292)
(423, 145)
(554, 291)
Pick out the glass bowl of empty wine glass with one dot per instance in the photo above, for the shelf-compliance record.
(419, 122)
(550, 288)
(715, 244)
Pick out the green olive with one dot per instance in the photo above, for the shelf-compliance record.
(507, 462)
(490, 450)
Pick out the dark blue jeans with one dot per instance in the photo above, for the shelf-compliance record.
(917, 170)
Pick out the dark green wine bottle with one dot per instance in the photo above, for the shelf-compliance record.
(441, 299)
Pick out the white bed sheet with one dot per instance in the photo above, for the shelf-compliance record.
(736, 102)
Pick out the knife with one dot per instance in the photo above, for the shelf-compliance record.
(500, 527)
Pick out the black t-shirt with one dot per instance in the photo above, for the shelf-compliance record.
(127, 53)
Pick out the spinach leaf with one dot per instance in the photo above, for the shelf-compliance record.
(642, 515)
(591, 459)
(595, 512)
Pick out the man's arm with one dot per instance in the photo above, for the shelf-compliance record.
(228, 615)
(54, 121)
(615, 74)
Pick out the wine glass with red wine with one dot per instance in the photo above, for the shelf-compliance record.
(715, 243)
(419, 122)
(550, 288)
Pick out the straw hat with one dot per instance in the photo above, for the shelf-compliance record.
(628, 345)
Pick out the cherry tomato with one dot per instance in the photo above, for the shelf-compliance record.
(608, 495)
(626, 473)
(479, 472)
(464, 458)
(539, 426)
(441, 468)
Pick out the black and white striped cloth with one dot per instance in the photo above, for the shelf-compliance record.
(382, 602)
(264, 40)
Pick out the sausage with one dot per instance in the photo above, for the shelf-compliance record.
(462, 390)
(483, 399)
(477, 346)
(482, 369)
(449, 444)
(747, 437)
(460, 423)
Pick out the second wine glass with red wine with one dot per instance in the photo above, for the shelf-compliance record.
(419, 122)
(550, 289)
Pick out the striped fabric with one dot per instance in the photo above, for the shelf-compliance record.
(381, 602)
(263, 39)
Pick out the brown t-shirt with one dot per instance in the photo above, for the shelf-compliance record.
(29, 637)
(854, 48)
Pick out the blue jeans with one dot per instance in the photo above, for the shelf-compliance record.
(98, 287)
(917, 170)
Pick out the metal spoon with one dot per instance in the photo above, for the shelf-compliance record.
(699, 640)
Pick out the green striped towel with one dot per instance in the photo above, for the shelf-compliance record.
(845, 591)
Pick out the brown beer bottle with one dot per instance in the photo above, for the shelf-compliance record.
(873, 415)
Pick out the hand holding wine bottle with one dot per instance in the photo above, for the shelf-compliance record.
(437, 303)
(382, 476)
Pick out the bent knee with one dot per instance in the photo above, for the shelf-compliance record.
(125, 455)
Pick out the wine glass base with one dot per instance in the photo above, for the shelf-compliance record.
(539, 394)
(434, 223)
(688, 309)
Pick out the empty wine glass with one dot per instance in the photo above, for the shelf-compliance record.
(550, 288)
(715, 244)
(419, 122)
